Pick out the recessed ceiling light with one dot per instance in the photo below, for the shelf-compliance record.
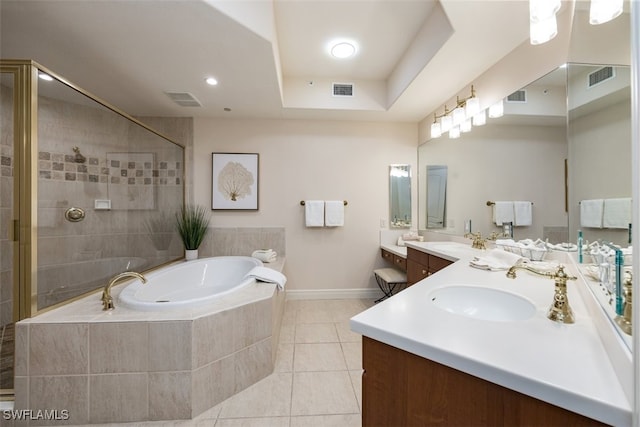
(45, 76)
(211, 81)
(342, 49)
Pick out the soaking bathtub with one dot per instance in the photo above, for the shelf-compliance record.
(189, 284)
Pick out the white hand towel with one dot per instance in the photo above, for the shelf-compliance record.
(591, 213)
(522, 213)
(503, 212)
(616, 213)
(334, 213)
(496, 259)
(265, 255)
(314, 213)
(269, 275)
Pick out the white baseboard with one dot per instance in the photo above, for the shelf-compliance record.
(362, 293)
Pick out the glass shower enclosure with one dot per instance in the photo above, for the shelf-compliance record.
(86, 192)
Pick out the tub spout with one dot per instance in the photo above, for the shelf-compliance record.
(107, 300)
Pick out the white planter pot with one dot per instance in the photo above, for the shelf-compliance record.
(190, 254)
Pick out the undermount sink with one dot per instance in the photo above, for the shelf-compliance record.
(482, 303)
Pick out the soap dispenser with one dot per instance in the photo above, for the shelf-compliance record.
(580, 246)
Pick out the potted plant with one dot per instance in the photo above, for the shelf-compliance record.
(192, 222)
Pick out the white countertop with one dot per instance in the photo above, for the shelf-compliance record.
(565, 365)
(401, 251)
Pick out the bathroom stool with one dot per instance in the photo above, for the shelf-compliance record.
(388, 279)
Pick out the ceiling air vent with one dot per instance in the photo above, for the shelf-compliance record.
(601, 75)
(518, 96)
(184, 99)
(342, 89)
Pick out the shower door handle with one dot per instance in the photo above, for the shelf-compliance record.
(74, 214)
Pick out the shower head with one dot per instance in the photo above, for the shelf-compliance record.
(79, 157)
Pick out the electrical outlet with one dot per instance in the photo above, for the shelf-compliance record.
(383, 223)
(467, 226)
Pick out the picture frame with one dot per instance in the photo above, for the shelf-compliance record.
(234, 181)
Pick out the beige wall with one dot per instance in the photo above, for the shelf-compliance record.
(302, 159)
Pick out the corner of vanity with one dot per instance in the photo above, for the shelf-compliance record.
(425, 366)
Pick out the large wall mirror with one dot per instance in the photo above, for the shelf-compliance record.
(400, 196)
(518, 157)
(565, 139)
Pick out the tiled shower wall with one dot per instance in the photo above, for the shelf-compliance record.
(126, 233)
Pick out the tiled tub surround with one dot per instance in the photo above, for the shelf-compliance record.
(132, 366)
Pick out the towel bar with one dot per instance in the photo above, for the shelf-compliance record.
(344, 201)
(490, 203)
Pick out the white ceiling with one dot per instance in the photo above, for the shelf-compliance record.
(412, 57)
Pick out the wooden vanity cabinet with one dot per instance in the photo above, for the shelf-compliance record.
(421, 264)
(402, 389)
(398, 261)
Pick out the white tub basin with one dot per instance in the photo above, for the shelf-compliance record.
(482, 303)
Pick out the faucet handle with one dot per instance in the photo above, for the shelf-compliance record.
(561, 276)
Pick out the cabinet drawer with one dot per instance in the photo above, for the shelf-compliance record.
(400, 262)
(387, 255)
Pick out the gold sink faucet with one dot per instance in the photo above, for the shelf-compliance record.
(624, 321)
(560, 311)
(478, 241)
(107, 300)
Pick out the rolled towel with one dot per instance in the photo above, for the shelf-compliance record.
(265, 255)
(269, 275)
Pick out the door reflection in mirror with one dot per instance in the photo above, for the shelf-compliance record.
(400, 196)
(436, 195)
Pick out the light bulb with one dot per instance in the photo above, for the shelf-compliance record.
(496, 110)
(602, 11)
(446, 123)
(541, 10)
(454, 132)
(436, 130)
(543, 31)
(458, 116)
(466, 126)
(472, 106)
(480, 119)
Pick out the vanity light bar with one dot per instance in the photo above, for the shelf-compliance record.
(464, 116)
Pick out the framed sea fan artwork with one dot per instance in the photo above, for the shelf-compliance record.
(234, 181)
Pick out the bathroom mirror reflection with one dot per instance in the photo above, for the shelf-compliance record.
(517, 157)
(436, 195)
(599, 166)
(599, 140)
(400, 196)
(123, 183)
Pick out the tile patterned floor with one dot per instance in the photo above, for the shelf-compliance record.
(316, 380)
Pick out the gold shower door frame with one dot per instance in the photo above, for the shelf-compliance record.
(22, 230)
